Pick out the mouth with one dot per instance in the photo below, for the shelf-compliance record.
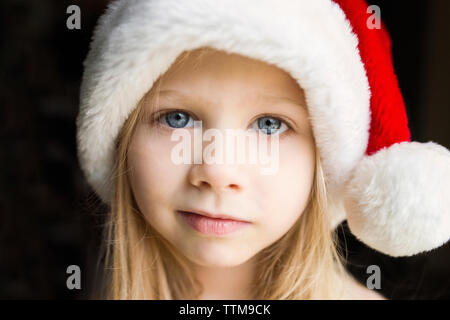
(217, 225)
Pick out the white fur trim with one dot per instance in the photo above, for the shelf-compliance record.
(137, 40)
(398, 199)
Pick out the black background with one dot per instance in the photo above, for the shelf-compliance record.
(50, 218)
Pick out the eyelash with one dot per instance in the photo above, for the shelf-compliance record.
(156, 118)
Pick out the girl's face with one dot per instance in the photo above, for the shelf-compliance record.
(224, 91)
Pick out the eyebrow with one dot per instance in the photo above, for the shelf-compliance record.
(192, 100)
(178, 95)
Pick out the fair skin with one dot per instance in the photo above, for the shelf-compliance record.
(224, 91)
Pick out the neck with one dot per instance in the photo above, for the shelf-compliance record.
(226, 283)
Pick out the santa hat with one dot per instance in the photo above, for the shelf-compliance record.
(394, 193)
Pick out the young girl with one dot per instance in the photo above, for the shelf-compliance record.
(311, 75)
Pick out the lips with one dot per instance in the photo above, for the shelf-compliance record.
(217, 225)
(215, 216)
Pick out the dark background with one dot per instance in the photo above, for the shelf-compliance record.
(49, 217)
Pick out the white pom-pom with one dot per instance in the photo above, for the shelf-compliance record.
(398, 199)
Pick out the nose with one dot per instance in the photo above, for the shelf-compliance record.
(220, 178)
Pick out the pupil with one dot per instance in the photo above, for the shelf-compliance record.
(273, 124)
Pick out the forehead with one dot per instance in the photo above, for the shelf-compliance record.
(207, 72)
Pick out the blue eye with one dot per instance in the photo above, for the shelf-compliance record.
(180, 119)
(270, 125)
(177, 119)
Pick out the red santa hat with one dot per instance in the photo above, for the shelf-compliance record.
(394, 193)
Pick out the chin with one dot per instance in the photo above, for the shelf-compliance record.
(220, 258)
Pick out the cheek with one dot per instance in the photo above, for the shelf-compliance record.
(153, 176)
(297, 171)
(286, 193)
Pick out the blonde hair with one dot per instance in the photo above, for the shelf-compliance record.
(140, 264)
